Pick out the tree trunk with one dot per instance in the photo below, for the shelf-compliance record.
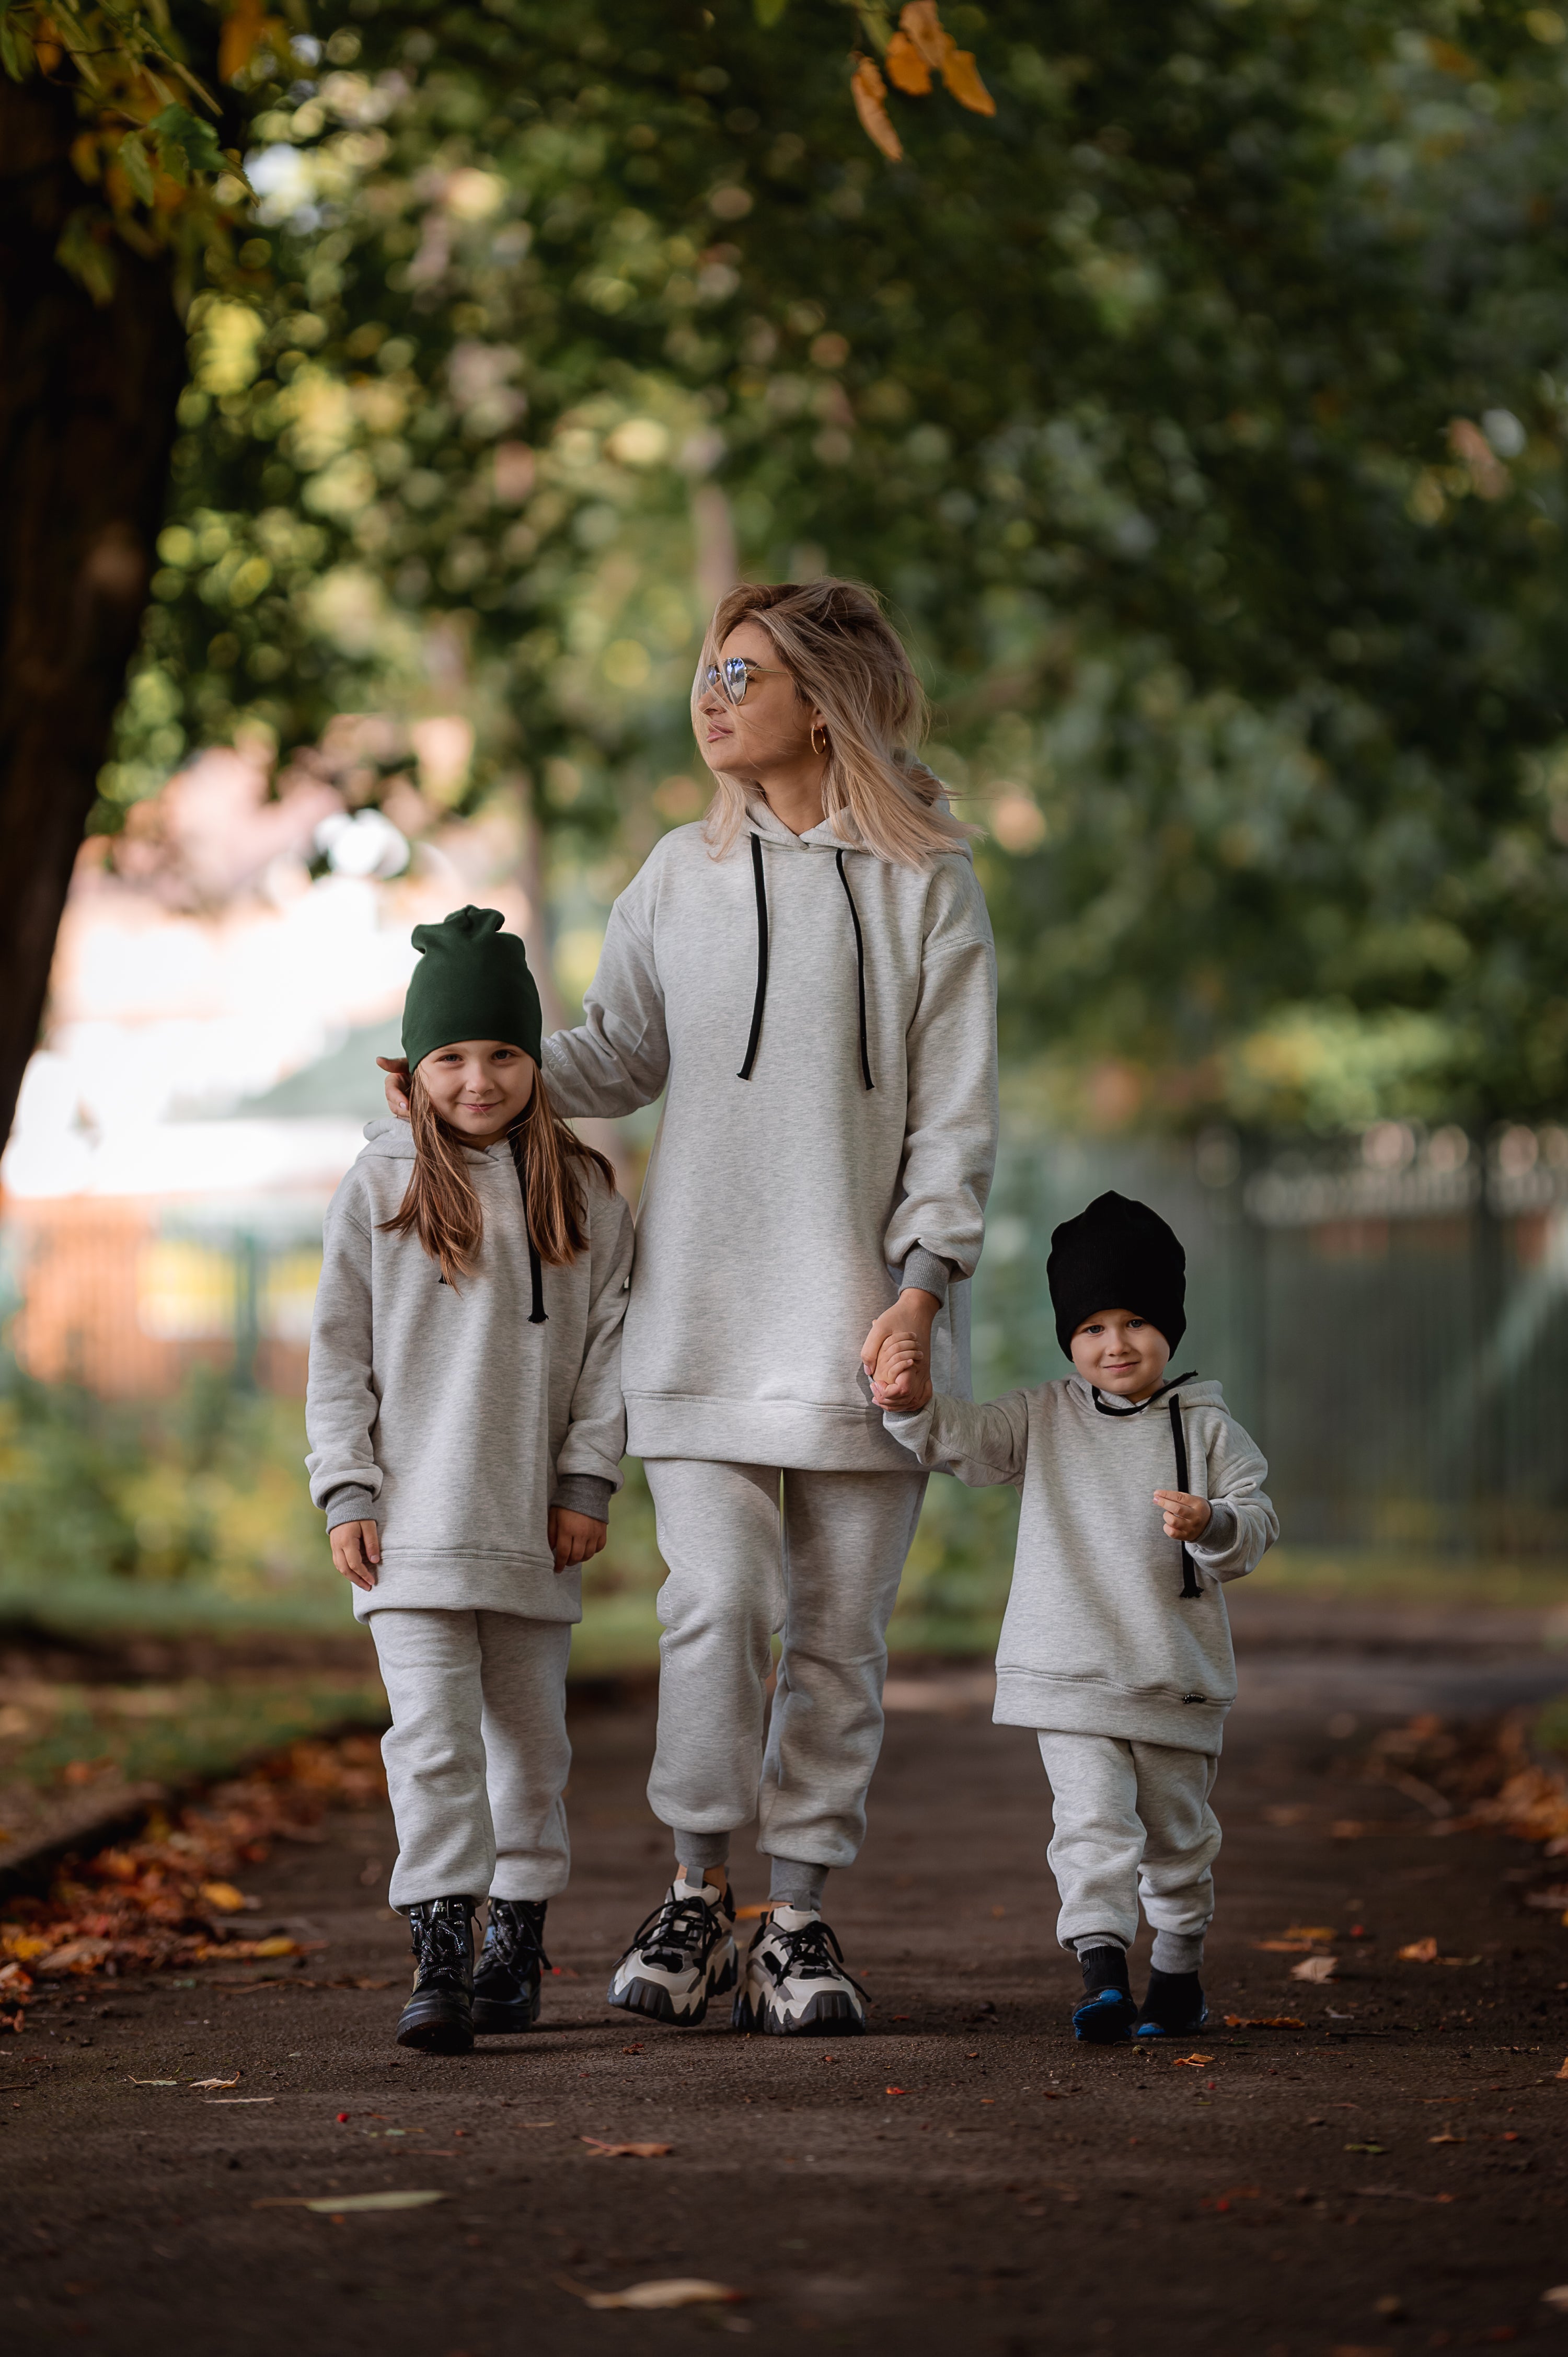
(87, 418)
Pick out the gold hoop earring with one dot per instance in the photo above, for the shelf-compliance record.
(821, 750)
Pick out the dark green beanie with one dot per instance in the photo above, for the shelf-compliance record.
(471, 982)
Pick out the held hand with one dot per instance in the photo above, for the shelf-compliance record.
(1186, 1517)
(910, 1321)
(356, 1550)
(396, 1069)
(897, 1360)
(575, 1537)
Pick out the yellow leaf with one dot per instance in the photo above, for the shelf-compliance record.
(868, 89)
(907, 69)
(962, 76)
(224, 1897)
(1420, 1952)
(278, 1947)
(923, 29)
(670, 2291)
(240, 38)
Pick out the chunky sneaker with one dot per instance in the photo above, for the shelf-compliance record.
(1173, 2006)
(796, 1985)
(682, 1955)
(1106, 2013)
(439, 2015)
(510, 1967)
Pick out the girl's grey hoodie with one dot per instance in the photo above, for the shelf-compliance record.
(782, 1210)
(441, 1413)
(1098, 1637)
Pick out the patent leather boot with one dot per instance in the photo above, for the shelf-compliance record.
(439, 2015)
(511, 1964)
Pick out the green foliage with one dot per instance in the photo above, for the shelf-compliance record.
(208, 1489)
(1202, 416)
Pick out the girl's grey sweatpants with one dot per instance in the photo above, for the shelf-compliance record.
(749, 1551)
(1131, 1819)
(476, 1759)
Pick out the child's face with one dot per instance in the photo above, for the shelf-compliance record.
(1120, 1352)
(478, 1087)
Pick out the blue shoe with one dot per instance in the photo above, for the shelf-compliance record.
(1105, 2017)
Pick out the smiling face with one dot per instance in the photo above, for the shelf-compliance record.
(1121, 1354)
(478, 1087)
(771, 729)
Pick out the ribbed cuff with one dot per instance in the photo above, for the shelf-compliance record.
(349, 1505)
(926, 1271)
(1220, 1532)
(586, 1494)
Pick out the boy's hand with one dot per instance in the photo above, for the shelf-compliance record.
(909, 1320)
(574, 1537)
(1186, 1517)
(396, 1069)
(356, 1550)
(899, 1362)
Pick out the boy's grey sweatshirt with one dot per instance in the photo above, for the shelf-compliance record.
(1097, 1639)
(441, 1413)
(782, 1210)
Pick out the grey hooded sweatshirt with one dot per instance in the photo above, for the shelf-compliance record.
(1098, 1637)
(443, 1412)
(786, 1199)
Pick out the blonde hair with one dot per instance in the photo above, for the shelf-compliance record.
(846, 659)
(442, 1206)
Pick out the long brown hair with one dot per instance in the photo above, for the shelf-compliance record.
(442, 1206)
(845, 657)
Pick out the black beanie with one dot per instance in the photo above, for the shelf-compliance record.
(472, 982)
(1117, 1255)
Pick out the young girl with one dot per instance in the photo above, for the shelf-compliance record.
(465, 1429)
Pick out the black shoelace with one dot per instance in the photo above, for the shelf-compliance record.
(514, 1940)
(443, 1942)
(810, 1953)
(676, 1932)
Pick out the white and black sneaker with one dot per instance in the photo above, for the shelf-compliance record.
(796, 1985)
(682, 1955)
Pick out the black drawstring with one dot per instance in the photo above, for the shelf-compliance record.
(859, 973)
(761, 998)
(757, 1004)
(1189, 1586)
(536, 1316)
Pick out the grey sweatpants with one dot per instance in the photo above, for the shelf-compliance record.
(478, 1757)
(1131, 1819)
(825, 1568)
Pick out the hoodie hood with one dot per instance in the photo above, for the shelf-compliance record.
(765, 820)
(392, 1141)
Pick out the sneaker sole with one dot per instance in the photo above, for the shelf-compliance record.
(653, 1999)
(1183, 2030)
(825, 2017)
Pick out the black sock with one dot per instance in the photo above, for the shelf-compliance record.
(1104, 1968)
(1175, 2000)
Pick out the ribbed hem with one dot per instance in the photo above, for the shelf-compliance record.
(1219, 1532)
(350, 1506)
(798, 1433)
(924, 1269)
(1082, 1707)
(699, 1851)
(585, 1493)
(413, 1580)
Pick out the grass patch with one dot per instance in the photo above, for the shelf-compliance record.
(54, 1736)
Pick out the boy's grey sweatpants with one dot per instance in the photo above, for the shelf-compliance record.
(1131, 1819)
(825, 1568)
(478, 1757)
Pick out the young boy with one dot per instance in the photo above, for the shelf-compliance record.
(1140, 1496)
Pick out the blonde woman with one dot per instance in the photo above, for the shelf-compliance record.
(809, 979)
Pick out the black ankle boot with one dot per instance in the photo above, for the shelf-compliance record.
(439, 2015)
(512, 1965)
(1106, 2015)
(1173, 2006)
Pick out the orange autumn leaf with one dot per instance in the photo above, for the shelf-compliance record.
(962, 76)
(923, 30)
(907, 69)
(868, 91)
(1420, 1952)
(245, 28)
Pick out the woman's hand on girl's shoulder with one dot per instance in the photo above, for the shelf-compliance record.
(356, 1550)
(575, 1537)
(396, 1069)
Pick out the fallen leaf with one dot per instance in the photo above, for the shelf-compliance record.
(868, 91)
(214, 2082)
(1190, 2062)
(1315, 1932)
(223, 1896)
(1445, 2140)
(1263, 2021)
(1419, 1952)
(1557, 2298)
(173, 2082)
(1281, 1947)
(1314, 1968)
(669, 2291)
(331, 2204)
(1563, 2073)
(602, 2151)
(1365, 2148)
(231, 2099)
(893, 2090)
(631, 2050)
(75, 1956)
